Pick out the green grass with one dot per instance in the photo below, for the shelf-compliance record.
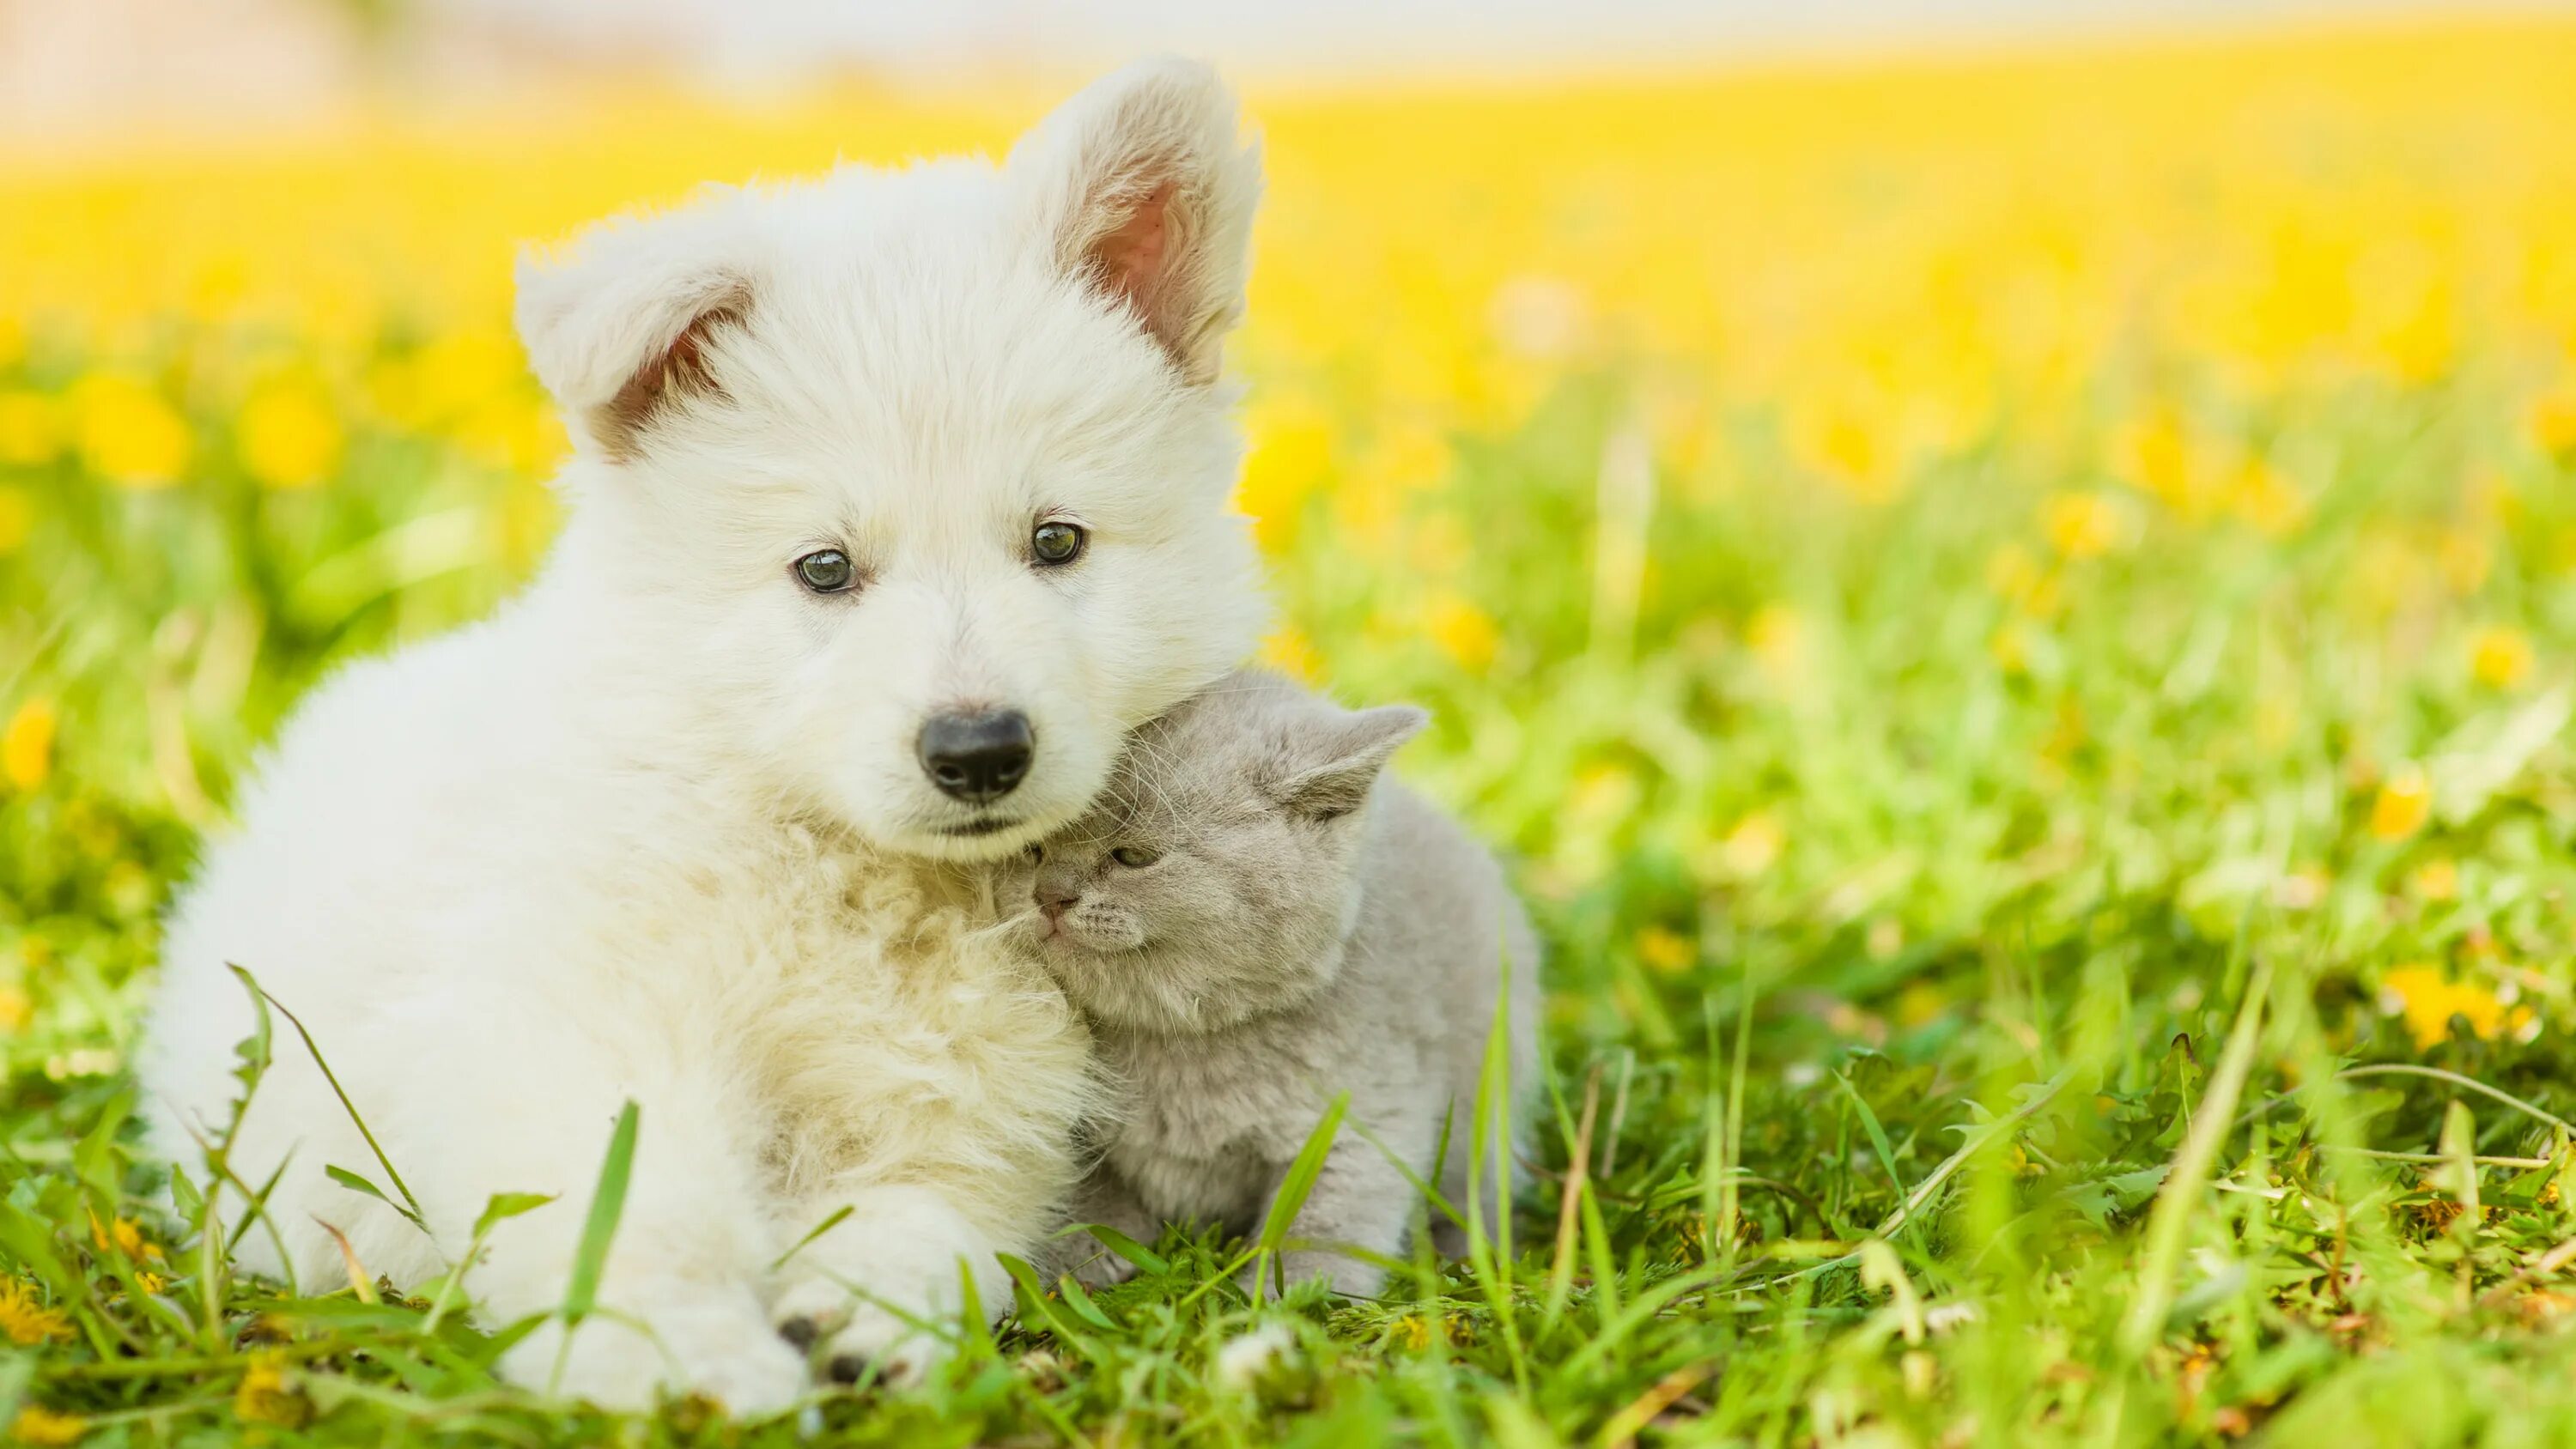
(1964, 971)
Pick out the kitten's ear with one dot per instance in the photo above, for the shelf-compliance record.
(1338, 764)
(1147, 196)
(619, 323)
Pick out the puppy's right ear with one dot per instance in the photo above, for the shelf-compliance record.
(623, 324)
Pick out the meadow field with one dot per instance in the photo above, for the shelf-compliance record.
(2016, 616)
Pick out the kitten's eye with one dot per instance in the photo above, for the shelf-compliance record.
(1036, 854)
(1057, 542)
(1133, 857)
(826, 571)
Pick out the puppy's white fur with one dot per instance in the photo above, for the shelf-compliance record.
(658, 831)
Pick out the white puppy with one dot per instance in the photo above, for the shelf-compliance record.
(897, 498)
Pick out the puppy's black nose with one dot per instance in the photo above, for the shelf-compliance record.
(979, 757)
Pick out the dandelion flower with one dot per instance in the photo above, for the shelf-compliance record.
(266, 1396)
(1288, 650)
(288, 436)
(2429, 1004)
(2083, 525)
(128, 434)
(39, 1425)
(17, 518)
(2552, 419)
(2435, 880)
(1463, 631)
(27, 744)
(26, 1321)
(1753, 846)
(1666, 950)
(2500, 657)
(30, 429)
(1776, 635)
(2404, 802)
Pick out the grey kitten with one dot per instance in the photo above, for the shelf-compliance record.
(1255, 921)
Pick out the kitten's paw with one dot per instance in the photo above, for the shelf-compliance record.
(1348, 1276)
(1083, 1258)
(1103, 1269)
(720, 1350)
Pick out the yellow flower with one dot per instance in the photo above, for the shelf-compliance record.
(2157, 452)
(1845, 446)
(2083, 525)
(2552, 419)
(1603, 792)
(127, 1236)
(27, 744)
(26, 1321)
(128, 434)
(266, 1396)
(287, 435)
(2428, 1003)
(1290, 455)
(31, 429)
(2266, 498)
(1412, 1332)
(2466, 558)
(1289, 651)
(1463, 631)
(2500, 657)
(39, 1425)
(1753, 845)
(2276, 719)
(2435, 880)
(2009, 646)
(1666, 950)
(1407, 459)
(15, 1009)
(2404, 802)
(17, 518)
(1776, 635)
(2017, 578)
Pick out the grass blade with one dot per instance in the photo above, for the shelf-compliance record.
(607, 1205)
(409, 1207)
(2180, 1194)
(1293, 1188)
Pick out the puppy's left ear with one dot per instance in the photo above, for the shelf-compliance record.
(1147, 197)
(1338, 766)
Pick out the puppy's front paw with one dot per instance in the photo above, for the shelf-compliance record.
(878, 1296)
(852, 1340)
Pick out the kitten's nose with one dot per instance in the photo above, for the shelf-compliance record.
(1052, 905)
(977, 757)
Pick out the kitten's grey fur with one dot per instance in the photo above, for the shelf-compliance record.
(1255, 921)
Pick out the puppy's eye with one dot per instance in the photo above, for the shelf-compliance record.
(1134, 857)
(826, 571)
(1057, 542)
